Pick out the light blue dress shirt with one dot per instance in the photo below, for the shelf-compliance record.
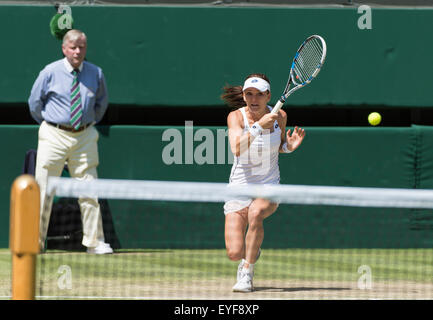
(50, 98)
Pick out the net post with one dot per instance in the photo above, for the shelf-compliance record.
(24, 236)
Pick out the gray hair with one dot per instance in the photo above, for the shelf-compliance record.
(73, 35)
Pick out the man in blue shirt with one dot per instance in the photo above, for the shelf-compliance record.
(67, 99)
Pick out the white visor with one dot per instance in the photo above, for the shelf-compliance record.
(258, 83)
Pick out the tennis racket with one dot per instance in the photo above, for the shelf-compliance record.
(306, 65)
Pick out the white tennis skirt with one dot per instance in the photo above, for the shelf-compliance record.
(236, 205)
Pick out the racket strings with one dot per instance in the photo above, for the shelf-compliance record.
(308, 61)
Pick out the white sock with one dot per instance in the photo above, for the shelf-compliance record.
(249, 269)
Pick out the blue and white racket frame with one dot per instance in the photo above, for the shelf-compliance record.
(317, 64)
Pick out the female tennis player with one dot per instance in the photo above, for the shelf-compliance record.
(256, 138)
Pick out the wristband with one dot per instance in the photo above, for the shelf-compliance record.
(284, 148)
(256, 129)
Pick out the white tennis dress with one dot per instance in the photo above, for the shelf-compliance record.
(257, 165)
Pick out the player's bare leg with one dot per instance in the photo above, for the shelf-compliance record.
(259, 210)
(235, 227)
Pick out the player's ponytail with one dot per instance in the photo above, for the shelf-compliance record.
(232, 96)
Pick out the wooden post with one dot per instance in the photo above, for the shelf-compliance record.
(24, 236)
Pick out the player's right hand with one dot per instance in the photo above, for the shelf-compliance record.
(267, 121)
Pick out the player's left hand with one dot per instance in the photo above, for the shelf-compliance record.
(295, 139)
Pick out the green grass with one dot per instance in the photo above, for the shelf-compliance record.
(155, 273)
(5, 273)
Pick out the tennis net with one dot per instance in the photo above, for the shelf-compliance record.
(322, 242)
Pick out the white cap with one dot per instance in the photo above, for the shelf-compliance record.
(258, 83)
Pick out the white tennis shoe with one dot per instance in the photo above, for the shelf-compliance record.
(245, 284)
(101, 248)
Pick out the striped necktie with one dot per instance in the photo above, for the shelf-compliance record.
(76, 108)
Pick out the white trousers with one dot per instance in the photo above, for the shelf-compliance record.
(79, 151)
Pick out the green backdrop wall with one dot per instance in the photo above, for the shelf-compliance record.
(183, 56)
(369, 157)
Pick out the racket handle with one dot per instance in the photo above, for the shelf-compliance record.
(277, 106)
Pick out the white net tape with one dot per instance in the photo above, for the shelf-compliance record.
(220, 192)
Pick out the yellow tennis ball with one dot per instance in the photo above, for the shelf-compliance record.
(374, 118)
